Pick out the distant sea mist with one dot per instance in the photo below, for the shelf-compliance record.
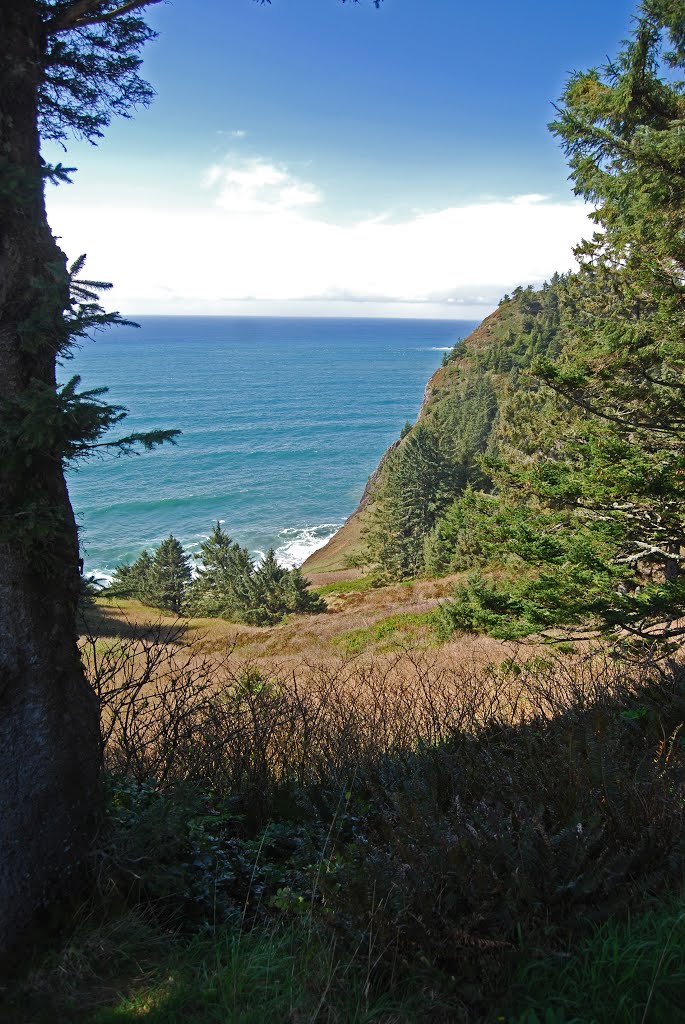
(283, 420)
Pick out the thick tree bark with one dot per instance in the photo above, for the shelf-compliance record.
(49, 739)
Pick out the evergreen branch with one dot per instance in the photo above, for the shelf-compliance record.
(647, 633)
(574, 396)
(57, 174)
(104, 19)
(70, 16)
(126, 445)
(647, 550)
(78, 16)
(675, 385)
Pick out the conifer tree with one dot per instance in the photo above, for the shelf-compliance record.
(161, 580)
(267, 602)
(419, 482)
(222, 583)
(297, 595)
(613, 475)
(168, 577)
(621, 128)
(131, 580)
(67, 67)
(274, 591)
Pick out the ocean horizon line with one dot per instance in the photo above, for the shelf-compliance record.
(298, 316)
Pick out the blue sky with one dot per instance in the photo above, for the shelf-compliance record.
(312, 157)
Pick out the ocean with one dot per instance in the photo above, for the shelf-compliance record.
(283, 421)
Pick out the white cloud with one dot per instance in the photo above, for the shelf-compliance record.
(528, 199)
(257, 186)
(259, 244)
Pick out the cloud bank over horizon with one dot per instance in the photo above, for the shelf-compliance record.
(256, 238)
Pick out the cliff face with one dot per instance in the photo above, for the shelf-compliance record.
(348, 543)
(468, 404)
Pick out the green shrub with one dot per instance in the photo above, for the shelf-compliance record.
(441, 824)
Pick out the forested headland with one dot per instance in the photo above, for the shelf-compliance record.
(438, 774)
(548, 458)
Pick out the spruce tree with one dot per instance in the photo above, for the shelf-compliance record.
(161, 580)
(168, 577)
(131, 580)
(229, 584)
(222, 583)
(297, 595)
(68, 67)
(419, 481)
(609, 466)
(621, 128)
(267, 600)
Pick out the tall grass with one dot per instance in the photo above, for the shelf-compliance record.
(254, 978)
(628, 971)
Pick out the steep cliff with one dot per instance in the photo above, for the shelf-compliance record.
(470, 402)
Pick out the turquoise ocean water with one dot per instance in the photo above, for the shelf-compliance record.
(283, 420)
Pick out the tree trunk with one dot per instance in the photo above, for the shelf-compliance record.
(49, 737)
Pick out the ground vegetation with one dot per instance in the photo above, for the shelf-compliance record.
(227, 583)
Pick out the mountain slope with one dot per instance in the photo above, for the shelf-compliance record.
(471, 402)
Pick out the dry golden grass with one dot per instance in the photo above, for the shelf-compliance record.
(164, 698)
(304, 638)
(171, 709)
(161, 680)
(345, 544)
